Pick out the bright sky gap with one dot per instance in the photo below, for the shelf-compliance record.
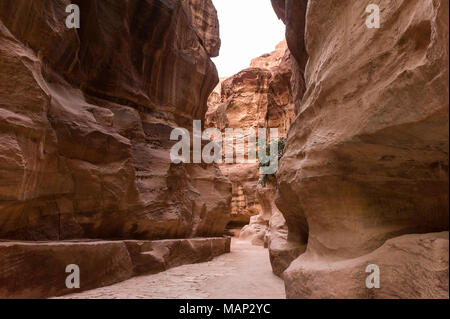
(248, 29)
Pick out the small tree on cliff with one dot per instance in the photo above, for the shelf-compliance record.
(272, 178)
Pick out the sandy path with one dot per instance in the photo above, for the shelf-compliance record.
(243, 273)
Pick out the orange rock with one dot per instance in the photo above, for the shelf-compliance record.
(256, 97)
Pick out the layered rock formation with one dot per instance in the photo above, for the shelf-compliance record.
(85, 120)
(366, 159)
(86, 115)
(38, 270)
(256, 97)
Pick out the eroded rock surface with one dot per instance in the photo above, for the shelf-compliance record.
(257, 97)
(366, 159)
(38, 269)
(411, 266)
(257, 230)
(271, 60)
(86, 115)
(281, 251)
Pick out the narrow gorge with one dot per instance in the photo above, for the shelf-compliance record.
(88, 177)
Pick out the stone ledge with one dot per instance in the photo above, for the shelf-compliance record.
(37, 269)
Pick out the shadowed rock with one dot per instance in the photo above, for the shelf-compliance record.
(86, 115)
(38, 269)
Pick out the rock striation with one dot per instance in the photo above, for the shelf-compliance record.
(364, 177)
(86, 115)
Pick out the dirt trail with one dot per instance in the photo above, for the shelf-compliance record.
(243, 273)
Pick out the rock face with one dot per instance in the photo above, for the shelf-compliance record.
(366, 159)
(269, 229)
(256, 97)
(411, 266)
(281, 251)
(271, 60)
(86, 114)
(293, 14)
(257, 228)
(38, 270)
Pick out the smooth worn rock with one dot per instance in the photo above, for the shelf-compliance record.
(293, 14)
(256, 230)
(410, 266)
(154, 256)
(38, 269)
(86, 115)
(281, 251)
(366, 159)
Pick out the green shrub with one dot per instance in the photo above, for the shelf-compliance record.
(271, 178)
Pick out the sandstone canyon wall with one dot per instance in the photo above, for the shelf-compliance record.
(85, 120)
(257, 97)
(364, 176)
(86, 114)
